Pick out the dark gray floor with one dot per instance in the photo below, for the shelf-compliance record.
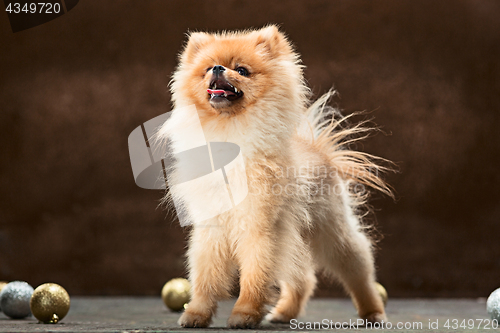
(148, 314)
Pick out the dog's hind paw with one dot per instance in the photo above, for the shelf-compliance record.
(243, 320)
(375, 317)
(278, 318)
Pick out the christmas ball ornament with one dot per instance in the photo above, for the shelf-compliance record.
(2, 284)
(50, 303)
(15, 299)
(382, 292)
(493, 305)
(176, 294)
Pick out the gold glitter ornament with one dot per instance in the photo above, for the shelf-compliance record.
(50, 303)
(176, 294)
(382, 292)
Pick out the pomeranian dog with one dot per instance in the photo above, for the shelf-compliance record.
(303, 208)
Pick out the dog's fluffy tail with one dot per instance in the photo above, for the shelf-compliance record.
(333, 136)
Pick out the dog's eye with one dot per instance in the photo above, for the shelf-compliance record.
(242, 71)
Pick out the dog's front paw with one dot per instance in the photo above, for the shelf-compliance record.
(375, 317)
(244, 320)
(193, 319)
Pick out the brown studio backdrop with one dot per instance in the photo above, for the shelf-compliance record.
(72, 90)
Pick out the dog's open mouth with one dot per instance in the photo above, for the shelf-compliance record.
(221, 90)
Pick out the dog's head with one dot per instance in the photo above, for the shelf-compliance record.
(230, 73)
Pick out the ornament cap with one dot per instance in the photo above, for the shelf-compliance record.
(54, 319)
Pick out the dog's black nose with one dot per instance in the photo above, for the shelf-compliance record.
(218, 69)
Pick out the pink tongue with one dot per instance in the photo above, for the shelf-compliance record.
(216, 92)
(219, 92)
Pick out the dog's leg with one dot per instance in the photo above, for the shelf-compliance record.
(211, 273)
(295, 267)
(343, 249)
(355, 268)
(293, 297)
(255, 253)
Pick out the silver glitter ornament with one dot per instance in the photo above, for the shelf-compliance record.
(15, 299)
(493, 305)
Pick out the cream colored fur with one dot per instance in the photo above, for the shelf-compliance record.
(278, 237)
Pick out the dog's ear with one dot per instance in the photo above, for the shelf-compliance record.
(196, 41)
(271, 42)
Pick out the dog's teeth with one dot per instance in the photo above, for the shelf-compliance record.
(235, 89)
(215, 86)
(225, 95)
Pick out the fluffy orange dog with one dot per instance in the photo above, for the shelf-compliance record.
(302, 211)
